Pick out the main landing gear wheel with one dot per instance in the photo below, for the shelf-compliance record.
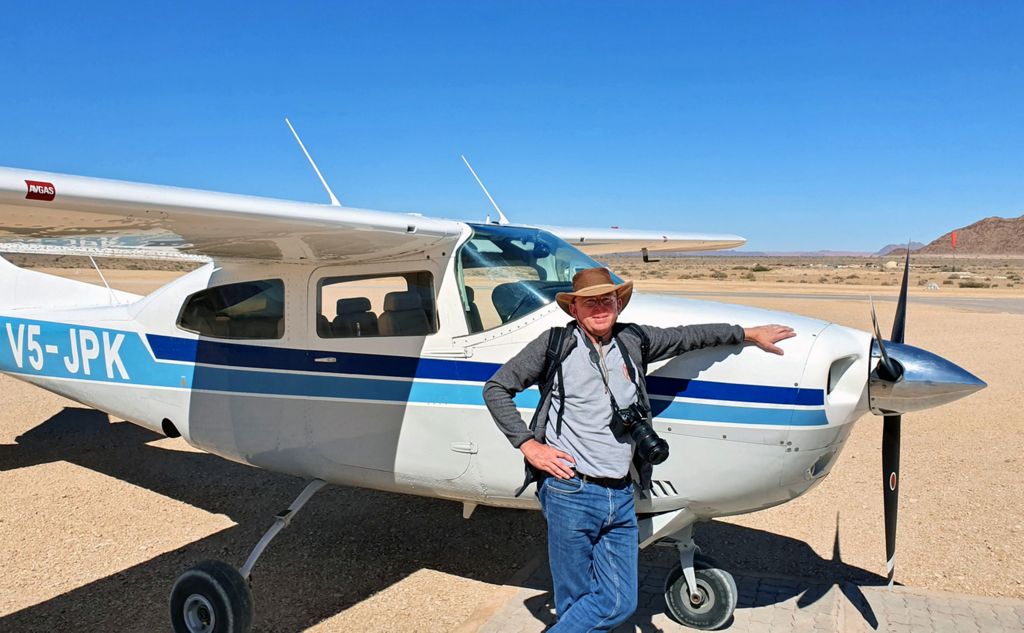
(211, 597)
(718, 596)
(214, 597)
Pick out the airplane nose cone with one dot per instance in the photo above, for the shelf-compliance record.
(928, 381)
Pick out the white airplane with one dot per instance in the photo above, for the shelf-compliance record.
(350, 347)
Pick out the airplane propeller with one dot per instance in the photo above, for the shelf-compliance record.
(891, 371)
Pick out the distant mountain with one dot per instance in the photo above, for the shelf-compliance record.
(885, 250)
(991, 236)
(735, 253)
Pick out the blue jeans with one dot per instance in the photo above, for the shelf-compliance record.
(592, 548)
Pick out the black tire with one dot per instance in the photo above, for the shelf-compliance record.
(211, 597)
(718, 598)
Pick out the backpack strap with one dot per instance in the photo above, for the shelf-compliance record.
(645, 343)
(553, 364)
(555, 337)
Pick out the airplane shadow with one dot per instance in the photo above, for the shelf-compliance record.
(345, 546)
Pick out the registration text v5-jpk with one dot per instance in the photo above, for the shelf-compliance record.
(84, 348)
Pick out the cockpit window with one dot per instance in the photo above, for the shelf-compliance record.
(509, 272)
(248, 310)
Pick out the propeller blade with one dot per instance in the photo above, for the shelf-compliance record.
(900, 322)
(891, 487)
(889, 371)
(891, 428)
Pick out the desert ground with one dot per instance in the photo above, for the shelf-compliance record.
(98, 516)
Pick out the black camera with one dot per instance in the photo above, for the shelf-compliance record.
(651, 448)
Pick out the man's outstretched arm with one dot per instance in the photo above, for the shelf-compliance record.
(673, 341)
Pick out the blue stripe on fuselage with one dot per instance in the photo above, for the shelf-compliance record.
(56, 350)
(260, 357)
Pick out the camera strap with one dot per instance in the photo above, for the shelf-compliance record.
(631, 371)
(629, 359)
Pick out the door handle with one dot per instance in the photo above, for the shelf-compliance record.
(325, 359)
(464, 447)
(448, 353)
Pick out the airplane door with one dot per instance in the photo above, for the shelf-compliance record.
(380, 402)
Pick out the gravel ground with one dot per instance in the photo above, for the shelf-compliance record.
(98, 517)
(961, 523)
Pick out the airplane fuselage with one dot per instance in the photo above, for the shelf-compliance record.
(747, 430)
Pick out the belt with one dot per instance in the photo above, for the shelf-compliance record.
(607, 482)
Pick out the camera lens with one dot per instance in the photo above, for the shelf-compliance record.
(651, 448)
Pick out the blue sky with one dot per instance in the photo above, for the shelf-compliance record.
(801, 126)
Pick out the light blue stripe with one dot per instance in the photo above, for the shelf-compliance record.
(319, 386)
(743, 415)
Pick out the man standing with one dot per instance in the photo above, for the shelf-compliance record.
(577, 448)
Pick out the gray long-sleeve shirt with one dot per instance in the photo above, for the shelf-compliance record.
(586, 431)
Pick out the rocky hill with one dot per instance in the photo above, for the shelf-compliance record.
(991, 236)
(902, 248)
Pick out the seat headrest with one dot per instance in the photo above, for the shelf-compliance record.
(470, 294)
(399, 301)
(355, 304)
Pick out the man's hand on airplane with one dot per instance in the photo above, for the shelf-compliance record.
(548, 458)
(765, 336)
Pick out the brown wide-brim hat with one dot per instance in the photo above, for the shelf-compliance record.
(593, 282)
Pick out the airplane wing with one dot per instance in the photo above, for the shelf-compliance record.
(615, 240)
(47, 212)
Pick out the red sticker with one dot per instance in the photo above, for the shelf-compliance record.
(39, 190)
(892, 481)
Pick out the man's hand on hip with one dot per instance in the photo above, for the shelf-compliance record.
(547, 458)
(765, 336)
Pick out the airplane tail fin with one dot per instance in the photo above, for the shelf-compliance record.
(21, 288)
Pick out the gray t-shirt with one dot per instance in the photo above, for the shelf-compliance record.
(586, 431)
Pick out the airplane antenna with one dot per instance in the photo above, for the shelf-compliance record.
(113, 298)
(334, 200)
(501, 216)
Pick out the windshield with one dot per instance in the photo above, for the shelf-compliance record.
(509, 272)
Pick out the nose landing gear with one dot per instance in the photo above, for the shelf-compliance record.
(698, 592)
(214, 597)
(712, 605)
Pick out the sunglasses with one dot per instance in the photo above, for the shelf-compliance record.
(592, 302)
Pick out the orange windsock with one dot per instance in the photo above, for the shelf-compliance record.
(954, 239)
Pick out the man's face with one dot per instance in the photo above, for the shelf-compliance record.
(596, 315)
